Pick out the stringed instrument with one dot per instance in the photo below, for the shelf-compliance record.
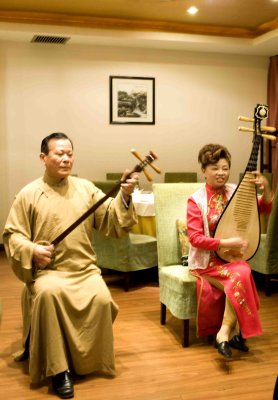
(240, 217)
(149, 159)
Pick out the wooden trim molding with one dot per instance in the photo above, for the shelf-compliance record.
(267, 27)
(133, 24)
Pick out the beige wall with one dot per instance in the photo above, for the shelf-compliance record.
(46, 88)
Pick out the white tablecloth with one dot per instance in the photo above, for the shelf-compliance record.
(143, 203)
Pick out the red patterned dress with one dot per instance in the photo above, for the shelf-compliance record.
(235, 277)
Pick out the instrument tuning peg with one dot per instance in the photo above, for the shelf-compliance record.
(270, 129)
(269, 137)
(153, 156)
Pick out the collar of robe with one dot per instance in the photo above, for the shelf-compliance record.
(51, 181)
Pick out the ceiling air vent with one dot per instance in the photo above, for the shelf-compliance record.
(50, 39)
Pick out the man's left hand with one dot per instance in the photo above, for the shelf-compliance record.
(129, 185)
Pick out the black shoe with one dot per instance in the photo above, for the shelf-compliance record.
(63, 385)
(224, 349)
(237, 342)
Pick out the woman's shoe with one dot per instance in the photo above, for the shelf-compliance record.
(237, 342)
(224, 349)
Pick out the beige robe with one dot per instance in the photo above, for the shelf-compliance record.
(67, 308)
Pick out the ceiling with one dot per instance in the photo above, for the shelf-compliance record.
(229, 26)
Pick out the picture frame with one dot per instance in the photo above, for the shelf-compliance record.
(132, 100)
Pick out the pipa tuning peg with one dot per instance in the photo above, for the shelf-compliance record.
(264, 130)
(269, 137)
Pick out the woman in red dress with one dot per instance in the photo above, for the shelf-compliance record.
(228, 302)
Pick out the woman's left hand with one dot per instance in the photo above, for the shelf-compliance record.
(263, 185)
(260, 180)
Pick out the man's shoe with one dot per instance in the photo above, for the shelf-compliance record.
(63, 385)
(237, 342)
(224, 349)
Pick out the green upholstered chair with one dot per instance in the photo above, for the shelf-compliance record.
(133, 252)
(174, 177)
(105, 186)
(114, 176)
(177, 285)
(265, 260)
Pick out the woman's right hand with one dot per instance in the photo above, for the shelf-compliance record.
(234, 243)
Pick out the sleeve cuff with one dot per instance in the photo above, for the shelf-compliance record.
(124, 201)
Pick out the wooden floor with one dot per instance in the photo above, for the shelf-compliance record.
(151, 364)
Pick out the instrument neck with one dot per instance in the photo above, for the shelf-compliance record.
(252, 163)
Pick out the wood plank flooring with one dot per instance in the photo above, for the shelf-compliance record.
(151, 363)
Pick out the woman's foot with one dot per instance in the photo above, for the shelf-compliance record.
(224, 349)
(237, 342)
(222, 341)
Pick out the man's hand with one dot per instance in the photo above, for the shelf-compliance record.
(128, 187)
(43, 255)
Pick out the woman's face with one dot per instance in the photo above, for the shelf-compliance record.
(217, 174)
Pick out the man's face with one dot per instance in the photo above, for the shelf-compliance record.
(59, 160)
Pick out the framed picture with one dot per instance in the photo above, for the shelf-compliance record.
(132, 100)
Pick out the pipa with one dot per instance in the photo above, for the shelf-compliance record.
(240, 217)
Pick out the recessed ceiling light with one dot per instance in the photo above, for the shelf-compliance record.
(192, 10)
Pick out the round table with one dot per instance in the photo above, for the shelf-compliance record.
(144, 207)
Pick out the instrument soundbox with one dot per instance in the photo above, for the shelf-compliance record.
(240, 217)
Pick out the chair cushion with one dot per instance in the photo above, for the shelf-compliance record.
(183, 240)
(178, 291)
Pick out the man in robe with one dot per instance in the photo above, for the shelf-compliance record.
(67, 308)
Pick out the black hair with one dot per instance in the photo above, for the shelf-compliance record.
(55, 135)
(211, 154)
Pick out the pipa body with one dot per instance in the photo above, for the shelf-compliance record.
(240, 217)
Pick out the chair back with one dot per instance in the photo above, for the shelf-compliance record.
(105, 186)
(175, 177)
(114, 176)
(111, 253)
(272, 235)
(170, 200)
